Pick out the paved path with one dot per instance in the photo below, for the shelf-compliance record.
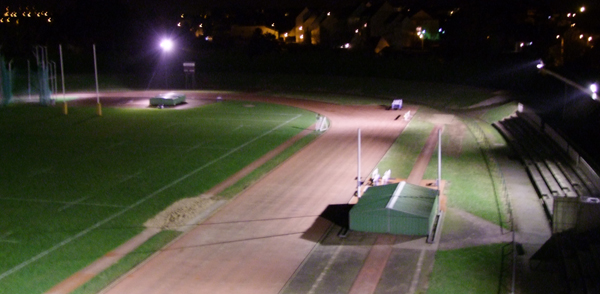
(256, 242)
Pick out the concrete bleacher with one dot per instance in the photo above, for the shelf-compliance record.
(564, 182)
(551, 171)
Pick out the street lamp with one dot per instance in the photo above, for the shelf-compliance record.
(540, 65)
(592, 90)
(166, 45)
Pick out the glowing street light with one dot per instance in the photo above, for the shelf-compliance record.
(592, 90)
(582, 9)
(540, 65)
(166, 45)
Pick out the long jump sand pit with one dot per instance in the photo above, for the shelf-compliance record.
(180, 214)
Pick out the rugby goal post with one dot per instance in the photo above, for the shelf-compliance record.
(322, 123)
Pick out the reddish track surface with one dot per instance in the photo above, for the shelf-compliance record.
(256, 242)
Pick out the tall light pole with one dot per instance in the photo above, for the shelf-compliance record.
(592, 90)
(167, 46)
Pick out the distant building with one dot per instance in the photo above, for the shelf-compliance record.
(246, 32)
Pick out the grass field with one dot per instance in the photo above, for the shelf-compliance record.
(75, 187)
(112, 173)
(469, 187)
(469, 270)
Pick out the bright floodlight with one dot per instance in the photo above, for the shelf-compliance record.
(540, 65)
(166, 45)
(594, 89)
(582, 9)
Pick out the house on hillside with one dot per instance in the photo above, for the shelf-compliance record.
(378, 24)
(390, 34)
(419, 31)
(307, 29)
(372, 25)
(247, 31)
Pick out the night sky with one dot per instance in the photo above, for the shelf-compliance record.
(187, 4)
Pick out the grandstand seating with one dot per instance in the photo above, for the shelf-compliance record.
(556, 176)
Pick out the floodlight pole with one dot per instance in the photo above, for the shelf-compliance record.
(358, 168)
(62, 75)
(28, 80)
(99, 106)
(439, 178)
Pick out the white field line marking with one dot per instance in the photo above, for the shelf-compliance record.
(69, 204)
(4, 240)
(78, 201)
(129, 177)
(239, 127)
(151, 195)
(415, 279)
(59, 202)
(205, 142)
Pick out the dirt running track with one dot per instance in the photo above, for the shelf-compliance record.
(256, 242)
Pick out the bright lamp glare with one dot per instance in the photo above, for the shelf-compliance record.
(594, 88)
(540, 65)
(166, 45)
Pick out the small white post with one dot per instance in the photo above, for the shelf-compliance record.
(62, 75)
(439, 179)
(98, 105)
(28, 80)
(358, 169)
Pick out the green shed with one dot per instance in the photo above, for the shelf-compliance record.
(402, 208)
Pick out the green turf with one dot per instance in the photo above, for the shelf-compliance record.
(401, 157)
(75, 187)
(468, 270)
(130, 155)
(469, 181)
(498, 113)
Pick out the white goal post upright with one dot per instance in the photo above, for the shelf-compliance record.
(322, 125)
(62, 75)
(439, 177)
(98, 105)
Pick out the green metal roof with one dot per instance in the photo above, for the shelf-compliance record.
(400, 208)
(402, 197)
(412, 199)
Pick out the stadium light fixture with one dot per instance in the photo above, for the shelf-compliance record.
(166, 45)
(540, 65)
